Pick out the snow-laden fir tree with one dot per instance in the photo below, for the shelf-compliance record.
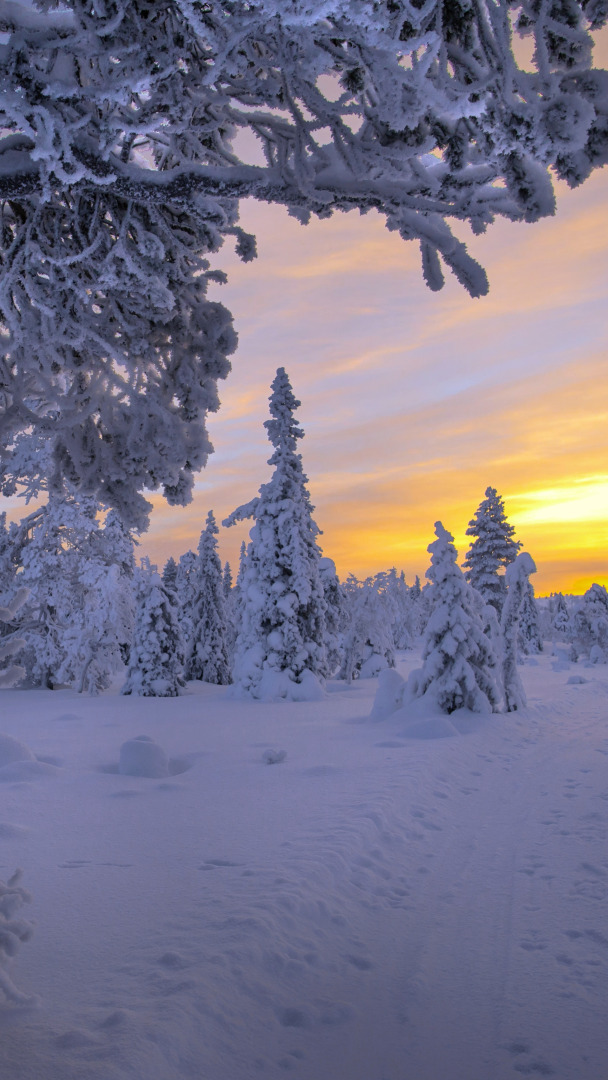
(589, 625)
(157, 653)
(492, 549)
(280, 649)
(530, 638)
(227, 580)
(10, 643)
(242, 561)
(169, 574)
(336, 614)
(460, 666)
(368, 645)
(208, 655)
(101, 629)
(121, 171)
(560, 625)
(49, 541)
(517, 575)
(13, 931)
(185, 593)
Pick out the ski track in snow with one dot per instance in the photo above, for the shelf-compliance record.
(372, 907)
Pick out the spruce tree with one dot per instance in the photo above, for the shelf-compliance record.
(459, 664)
(208, 657)
(170, 572)
(280, 650)
(517, 576)
(492, 549)
(156, 660)
(530, 640)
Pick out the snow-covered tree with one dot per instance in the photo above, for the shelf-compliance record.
(368, 645)
(13, 931)
(516, 575)
(590, 625)
(102, 625)
(459, 663)
(280, 649)
(48, 541)
(208, 655)
(185, 593)
(157, 654)
(227, 580)
(170, 572)
(560, 618)
(530, 639)
(336, 616)
(492, 549)
(10, 644)
(121, 172)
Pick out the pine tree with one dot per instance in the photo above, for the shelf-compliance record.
(170, 572)
(459, 664)
(590, 625)
(280, 649)
(156, 661)
(517, 575)
(336, 617)
(530, 640)
(227, 580)
(185, 593)
(368, 641)
(560, 620)
(208, 657)
(492, 549)
(10, 644)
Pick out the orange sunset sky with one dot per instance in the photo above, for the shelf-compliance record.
(414, 402)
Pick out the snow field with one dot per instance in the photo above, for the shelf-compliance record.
(370, 907)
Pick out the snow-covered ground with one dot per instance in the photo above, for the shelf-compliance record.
(371, 907)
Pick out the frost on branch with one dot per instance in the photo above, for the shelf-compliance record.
(13, 931)
(120, 176)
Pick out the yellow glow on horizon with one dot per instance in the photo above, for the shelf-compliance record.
(583, 500)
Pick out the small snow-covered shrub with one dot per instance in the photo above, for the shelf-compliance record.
(13, 931)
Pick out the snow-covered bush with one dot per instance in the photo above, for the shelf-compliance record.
(280, 649)
(459, 663)
(13, 932)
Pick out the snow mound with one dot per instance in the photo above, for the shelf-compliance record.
(13, 750)
(576, 680)
(141, 756)
(27, 770)
(389, 695)
(431, 727)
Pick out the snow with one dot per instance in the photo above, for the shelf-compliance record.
(379, 906)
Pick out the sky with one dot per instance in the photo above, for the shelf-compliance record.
(413, 402)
